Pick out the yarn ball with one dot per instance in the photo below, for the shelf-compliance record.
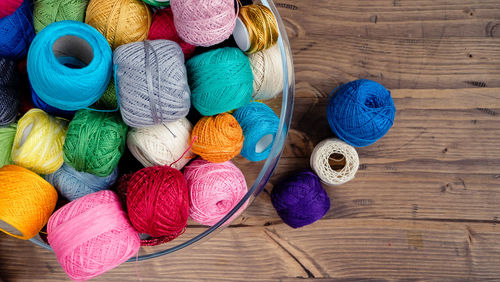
(39, 142)
(163, 28)
(217, 138)
(221, 80)
(16, 32)
(162, 144)
(158, 203)
(120, 21)
(214, 190)
(204, 22)
(7, 135)
(74, 184)
(8, 7)
(300, 200)
(260, 125)
(267, 69)
(37, 102)
(26, 202)
(361, 112)
(334, 161)
(9, 96)
(162, 3)
(50, 11)
(92, 235)
(95, 142)
(108, 100)
(151, 82)
(256, 28)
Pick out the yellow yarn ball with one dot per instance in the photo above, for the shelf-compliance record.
(120, 21)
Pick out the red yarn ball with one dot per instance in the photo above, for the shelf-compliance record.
(8, 7)
(163, 28)
(158, 203)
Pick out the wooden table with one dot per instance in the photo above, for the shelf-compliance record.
(426, 200)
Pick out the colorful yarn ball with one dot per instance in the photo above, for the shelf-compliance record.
(74, 184)
(217, 138)
(214, 190)
(162, 144)
(163, 28)
(221, 80)
(95, 142)
(162, 3)
(92, 235)
(7, 135)
(120, 21)
(39, 142)
(158, 203)
(300, 200)
(151, 82)
(267, 69)
(8, 7)
(16, 32)
(361, 112)
(9, 94)
(37, 102)
(50, 11)
(26, 202)
(204, 22)
(260, 125)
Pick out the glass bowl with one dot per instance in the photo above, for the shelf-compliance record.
(196, 233)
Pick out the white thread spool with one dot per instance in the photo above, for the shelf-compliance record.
(334, 161)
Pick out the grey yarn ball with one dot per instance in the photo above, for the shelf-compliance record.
(9, 98)
(151, 82)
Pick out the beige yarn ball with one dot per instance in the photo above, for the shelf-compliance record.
(338, 152)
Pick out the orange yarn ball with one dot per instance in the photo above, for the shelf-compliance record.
(218, 138)
(120, 21)
(26, 202)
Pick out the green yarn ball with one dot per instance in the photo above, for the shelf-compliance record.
(7, 135)
(95, 142)
(157, 3)
(108, 99)
(50, 11)
(221, 80)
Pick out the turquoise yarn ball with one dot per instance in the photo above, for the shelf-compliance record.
(221, 80)
(260, 125)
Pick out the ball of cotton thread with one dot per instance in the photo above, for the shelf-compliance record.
(9, 96)
(49, 11)
(261, 28)
(7, 135)
(17, 32)
(320, 161)
(8, 7)
(267, 72)
(151, 82)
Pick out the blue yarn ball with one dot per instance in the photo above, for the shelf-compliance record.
(361, 112)
(17, 32)
(74, 184)
(300, 200)
(259, 122)
(37, 102)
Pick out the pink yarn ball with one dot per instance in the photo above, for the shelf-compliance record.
(92, 235)
(214, 190)
(8, 7)
(204, 22)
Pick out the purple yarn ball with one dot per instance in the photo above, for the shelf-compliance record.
(300, 200)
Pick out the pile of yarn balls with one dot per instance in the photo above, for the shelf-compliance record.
(85, 82)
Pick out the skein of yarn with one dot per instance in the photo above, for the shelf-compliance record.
(9, 96)
(151, 82)
(334, 161)
(73, 184)
(39, 141)
(159, 3)
(26, 202)
(256, 28)
(204, 22)
(300, 200)
(16, 32)
(260, 125)
(95, 142)
(8, 7)
(218, 138)
(162, 144)
(267, 72)
(120, 21)
(214, 190)
(361, 112)
(221, 80)
(50, 11)
(92, 235)
(7, 135)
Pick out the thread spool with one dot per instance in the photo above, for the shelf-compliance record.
(26, 202)
(217, 138)
(159, 3)
(260, 125)
(214, 190)
(361, 112)
(50, 11)
(334, 161)
(162, 144)
(204, 22)
(120, 21)
(73, 184)
(267, 69)
(69, 65)
(37, 102)
(16, 32)
(256, 29)
(8, 7)
(7, 135)
(300, 200)
(151, 82)
(9, 96)
(39, 141)
(92, 235)
(221, 80)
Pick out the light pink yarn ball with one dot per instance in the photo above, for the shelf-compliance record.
(92, 235)
(214, 190)
(204, 22)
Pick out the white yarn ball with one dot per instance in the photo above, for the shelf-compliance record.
(320, 161)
